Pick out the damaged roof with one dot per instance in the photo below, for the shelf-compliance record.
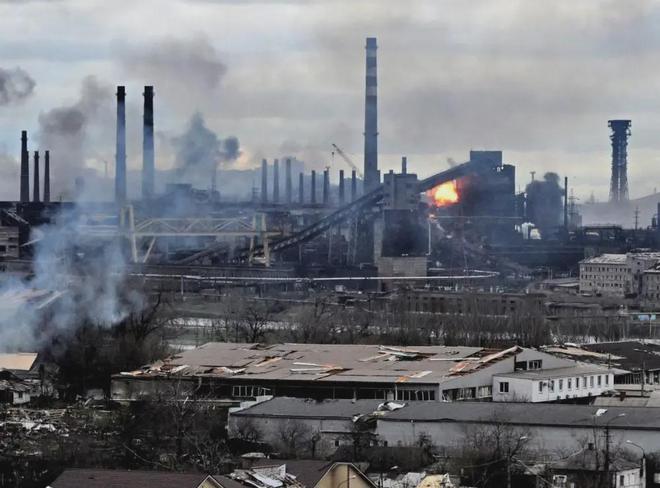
(327, 362)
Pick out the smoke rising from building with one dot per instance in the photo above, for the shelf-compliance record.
(199, 152)
(15, 86)
(65, 131)
(77, 281)
(544, 203)
(178, 66)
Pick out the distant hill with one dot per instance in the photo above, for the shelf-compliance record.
(621, 213)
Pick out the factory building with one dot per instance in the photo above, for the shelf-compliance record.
(617, 274)
(325, 371)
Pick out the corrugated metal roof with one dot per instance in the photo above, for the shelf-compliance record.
(606, 259)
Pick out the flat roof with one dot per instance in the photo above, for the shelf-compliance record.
(335, 363)
(539, 414)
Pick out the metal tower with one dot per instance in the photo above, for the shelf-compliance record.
(619, 181)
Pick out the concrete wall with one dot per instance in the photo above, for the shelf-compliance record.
(548, 439)
(333, 432)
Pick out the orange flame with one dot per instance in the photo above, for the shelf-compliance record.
(444, 194)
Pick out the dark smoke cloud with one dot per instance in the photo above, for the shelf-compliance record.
(199, 151)
(65, 131)
(15, 85)
(544, 203)
(176, 67)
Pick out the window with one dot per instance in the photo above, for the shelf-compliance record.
(607, 379)
(569, 383)
(485, 391)
(622, 480)
(245, 391)
(591, 381)
(536, 364)
(540, 386)
(561, 385)
(577, 382)
(600, 380)
(504, 386)
(551, 385)
(336, 442)
(408, 395)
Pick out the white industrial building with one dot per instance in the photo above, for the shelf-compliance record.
(553, 384)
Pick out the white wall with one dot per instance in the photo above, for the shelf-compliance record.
(527, 389)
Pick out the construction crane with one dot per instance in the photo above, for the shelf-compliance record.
(348, 160)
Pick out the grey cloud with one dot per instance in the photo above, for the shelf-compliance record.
(186, 71)
(15, 85)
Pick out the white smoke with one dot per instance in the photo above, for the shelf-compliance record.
(76, 280)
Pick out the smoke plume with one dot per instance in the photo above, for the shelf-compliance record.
(177, 66)
(66, 130)
(199, 152)
(544, 203)
(15, 86)
(77, 279)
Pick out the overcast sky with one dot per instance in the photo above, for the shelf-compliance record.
(536, 79)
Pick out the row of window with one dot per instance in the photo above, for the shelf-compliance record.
(415, 395)
(580, 382)
(577, 382)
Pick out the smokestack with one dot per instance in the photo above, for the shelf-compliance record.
(566, 202)
(371, 174)
(148, 166)
(404, 165)
(301, 188)
(276, 182)
(120, 151)
(341, 187)
(47, 177)
(312, 198)
(353, 185)
(25, 169)
(326, 187)
(619, 179)
(264, 181)
(287, 175)
(35, 187)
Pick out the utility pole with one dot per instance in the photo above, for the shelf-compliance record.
(636, 218)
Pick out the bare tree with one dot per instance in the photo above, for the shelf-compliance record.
(294, 437)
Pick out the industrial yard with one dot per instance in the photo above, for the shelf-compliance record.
(330, 244)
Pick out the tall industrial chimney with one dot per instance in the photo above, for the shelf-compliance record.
(565, 202)
(312, 197)
(619, 180)
(404, 165)
(326, 187)
(287, 175)
(120, 151)
(25, 169)
(353, 185)
(371, 173)
(341, 188)
(264, 181)
(276, 181)
(148, 167)
(301, 188)
(35, 186)
(47, 177)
